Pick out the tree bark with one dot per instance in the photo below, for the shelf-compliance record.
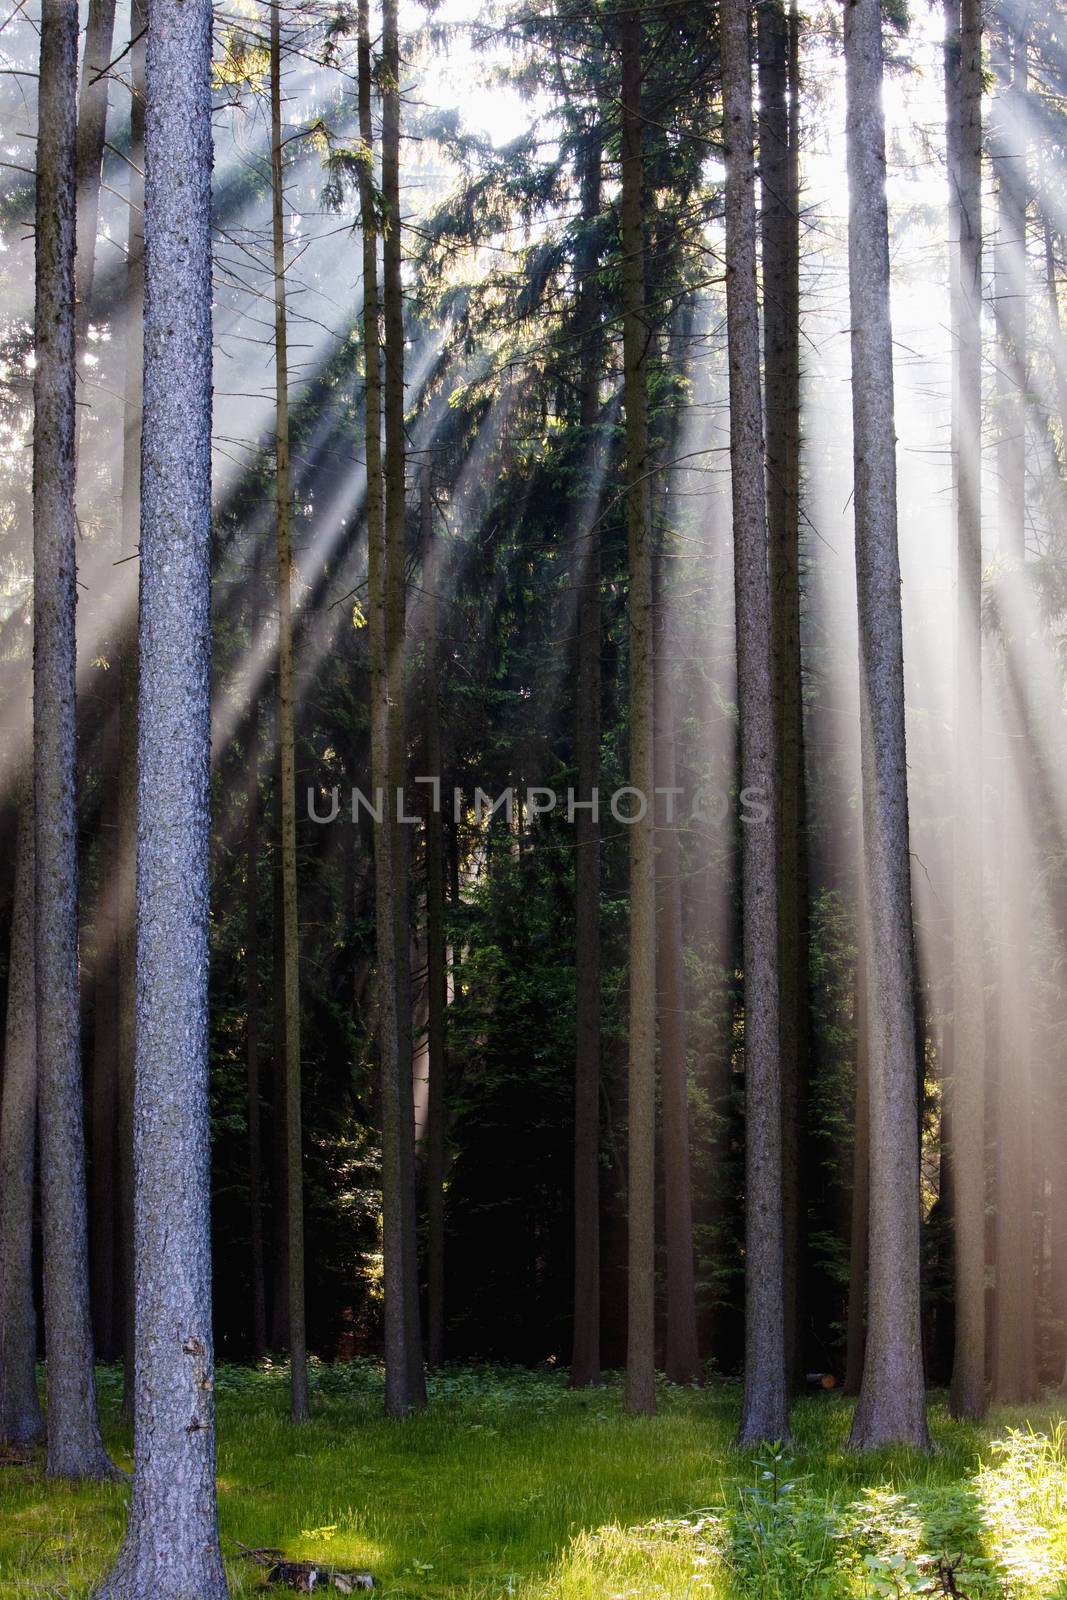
(965, 1102)
(436, 971)
(778, 56)
(74, 1446)
(252, 996)
(585, 1351)
(1014, 1366)
(856, 1332)
(683, 1353)
(125, 898)
(171, 1548)
(287, 757)
(20, 1409)
(103, 1076)
(891, 1407)
(640, 1385)
(765, 1412)
(92, 128)
(404, 1378)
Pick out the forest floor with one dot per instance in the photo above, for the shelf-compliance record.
(513, 1486)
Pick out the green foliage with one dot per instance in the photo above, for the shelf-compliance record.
(513, 1485)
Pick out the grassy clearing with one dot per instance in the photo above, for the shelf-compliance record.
(514, 1488)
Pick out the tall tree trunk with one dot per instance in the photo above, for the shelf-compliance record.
(171, 1548)
(125, 895)
(436, 956)
(891, 1406)
(585, 1351)
(856, 1332)
(778, 56)
(287, 756)
(92, 127)
(102, 1097)
(404, 1380)
(252, 996)
(1014, 1370)
(74, 1446)
(20, 1408)
(279, 1327)
(965, 1103)
(683, 1353)
(765, 1407)
(640, 1387)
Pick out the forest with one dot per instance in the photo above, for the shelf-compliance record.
(533, 799)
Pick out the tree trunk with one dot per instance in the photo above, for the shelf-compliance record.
(965, 1102)
(404, 1380)
(585, 1352)
(779, 232)
(436, 972)
(765, 1408)
(287, 757)
(20, 1408)
(74, 1446)
(1014, 1370)
(103, 1099)
(125, 897)
(92, 128)
(255, 1137)
(640, 1387)
(683, 1353)
(856, 1332)
(891, 1407)
(171, 1548)
(279, 1328)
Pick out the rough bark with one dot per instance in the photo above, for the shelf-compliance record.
(92, 127)
(298, 1394)
(103, 1075)
(856, 1331)
(640, 1385)
(404, 1378)
(436, 955)
(765, 1406)
(778, 57)
(682, 1363)
(585, 1351)
(74, 1446)
(252, 996)
(891, 1405)
(965, 1086)
(1014, 1366)
(20, 1409)
(127, 577)
(171, 1547)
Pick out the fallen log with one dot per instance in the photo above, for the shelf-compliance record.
(306, 1577)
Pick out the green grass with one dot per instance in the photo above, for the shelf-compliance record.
(512, 1486)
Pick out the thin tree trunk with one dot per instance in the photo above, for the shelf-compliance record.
(287, 757)
(856, 1332)
(683, 1353)
(171, 1548)
(125, 898)
(279, 1142)
(891, 1406)
(404, 1380)
(779, 232)
(765, 1408)
(1014, 1368)
(585, 1353)
(20, 1409)
(102, 1220)
(74, 1446)
(436, 972)
(965, 1101)
(640, 1387)
(252, 997)
(92, 128)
